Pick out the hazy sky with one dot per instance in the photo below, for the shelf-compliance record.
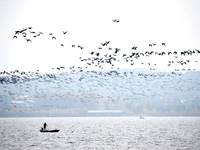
(89, 23)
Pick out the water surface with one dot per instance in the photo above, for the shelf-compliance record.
(101, 133)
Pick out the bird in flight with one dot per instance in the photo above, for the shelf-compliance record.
(163, 44)
(134, 47)
(116, 20)
(105, 43)
(28, 40)
(64, 32)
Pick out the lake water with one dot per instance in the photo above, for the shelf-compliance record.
(121, 133)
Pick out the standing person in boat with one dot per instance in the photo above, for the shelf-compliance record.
(45, 125)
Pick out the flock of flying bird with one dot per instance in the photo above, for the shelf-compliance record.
(99, 58)
(67, 90)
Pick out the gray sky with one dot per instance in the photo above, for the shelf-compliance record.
(89, 23)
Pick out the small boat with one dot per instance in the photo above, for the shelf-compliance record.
(45, 130)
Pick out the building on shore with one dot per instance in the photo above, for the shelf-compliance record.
(103, 113)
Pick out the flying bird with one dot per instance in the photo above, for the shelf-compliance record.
(32, 32)
(24, 34)
(134, 47)
(64, 32)
(80, 47)
(105, 43)
(28, 40)
(117, 50)
(17, 32)
(116, 20)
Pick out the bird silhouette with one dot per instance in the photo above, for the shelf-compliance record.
(24, 34)
(116, 20)
(117, 50)
(134, 47)
(17, 32)
(32, 32)
(169, 53)
(28, 40)
(80, 47)
(105, 43)
(64, 32)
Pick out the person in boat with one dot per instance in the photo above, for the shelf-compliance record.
(45, 125)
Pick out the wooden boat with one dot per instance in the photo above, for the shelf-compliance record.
(45, 130)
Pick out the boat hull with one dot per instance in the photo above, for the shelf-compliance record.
(50, 130)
